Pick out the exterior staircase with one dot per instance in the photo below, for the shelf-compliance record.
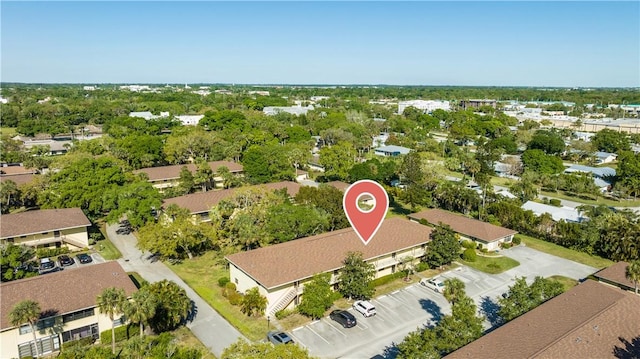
(284, 301)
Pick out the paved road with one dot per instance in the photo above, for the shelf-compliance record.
(212, 330)
(405, 310)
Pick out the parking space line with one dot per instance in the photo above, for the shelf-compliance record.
(316, 333)
(359, 324)
(338, 330)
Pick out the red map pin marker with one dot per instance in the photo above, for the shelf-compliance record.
(365, 222)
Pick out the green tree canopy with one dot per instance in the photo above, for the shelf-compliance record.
(443, 247)
(317, 296)
(355, 277)
(536, 160)
(244, 350)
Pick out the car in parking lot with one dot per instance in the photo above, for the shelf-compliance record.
(279, 338)
(435, 284)
(46, 265)
(65, 260)
(343, 317)
(365, 308)
(84, 258)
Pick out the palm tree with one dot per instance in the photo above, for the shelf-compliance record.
(27, 311)
(633, 273)
(112, 302)
(141, 308)
(453, 290)
(173, 304)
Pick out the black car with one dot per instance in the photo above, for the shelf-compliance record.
(46, 265)
(65, 260)
(84, 258)
(124, 230)
(343, 317)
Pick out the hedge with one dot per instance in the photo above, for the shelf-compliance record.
(469, 255)
(123, 332)
(51, 252)
(81, 342)
(387, 278)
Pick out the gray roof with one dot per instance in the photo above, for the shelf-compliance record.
(392, 149)
(596, 171)
(557, 213)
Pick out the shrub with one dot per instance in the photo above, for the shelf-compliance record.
(545, 200)
(555, 202)
(386, 279)
(234, 297)
(228, 289)
(484, 250)
(81, 342)
(468, 244)
(123, 332)
(281, 314)
(516, 241)
(51, 252)
(469, 255)
(422, 266)
(222, 282)
(505, 245)
(494, 265)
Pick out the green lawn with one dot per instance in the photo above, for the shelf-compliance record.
(107, 250)
(492, 265)
(566, 282)
(7, 131)
(202, 274)
(570, 254)
(599, 201)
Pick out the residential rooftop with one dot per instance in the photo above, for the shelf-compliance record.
(65, 291)
(302, 258)
(616, 275)
(467, 226)
(40, 221)
(173, 172)
(203, 201)
(591, 320)
(557, 213)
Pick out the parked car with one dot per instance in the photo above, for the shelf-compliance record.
(365, 308)
(124, 230)
(65, 260)
(46, 265)
(279, 338)
(435, 284)
(84, 258)
(343, 317)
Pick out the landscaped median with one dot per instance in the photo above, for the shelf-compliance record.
(202, 274)
(492, 264)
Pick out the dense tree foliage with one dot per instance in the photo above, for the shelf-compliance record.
(443, 247)
(244, 350)
(540, 162)
(317, 296)
(611, 141)
(14, 262)
(549, 142)
(327, 199)
(522, 297)
(355, 277)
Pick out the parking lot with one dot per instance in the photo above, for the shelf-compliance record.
(415, 306)
(96, 258)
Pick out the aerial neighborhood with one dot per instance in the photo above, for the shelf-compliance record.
(140, 220)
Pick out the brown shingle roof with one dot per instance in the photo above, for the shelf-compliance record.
(44, 220)
(173, 172)
(616, 274)
(339, 185)
(15, 170)
(283, 263)
(18, 179)
(463, 225)
(203, 201)
(585, 322)
(65, 291)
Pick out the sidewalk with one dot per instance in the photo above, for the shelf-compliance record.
(211, 328)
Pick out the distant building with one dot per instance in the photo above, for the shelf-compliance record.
(427, 106)
(605, 157)
(294, 110)
(46, 228)
(380, 140)
(599, 172)
(89, 88)
(391, 151)
(148, 115)
(200, 203)
(189, 120)
(475, 104)
(486, 234)
(557, 213)
(168, 176)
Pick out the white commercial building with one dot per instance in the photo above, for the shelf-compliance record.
(426, 106)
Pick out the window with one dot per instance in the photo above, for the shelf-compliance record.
(119, 321)
(46, 346)
(78, 315)
(235, 280)
(46, 323)
(56, 234)
(83, 332)
(25, 329)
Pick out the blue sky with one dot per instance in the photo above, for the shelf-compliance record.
(587, 44)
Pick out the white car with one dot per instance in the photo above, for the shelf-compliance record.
(365, 308)
(433, 283)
